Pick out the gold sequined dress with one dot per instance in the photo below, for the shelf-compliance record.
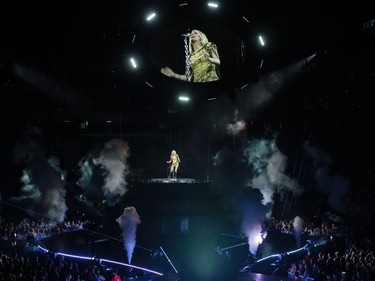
(203, 70)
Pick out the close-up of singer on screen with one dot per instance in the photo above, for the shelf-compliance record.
(202, 59)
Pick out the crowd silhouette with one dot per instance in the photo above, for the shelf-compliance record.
(348, 256)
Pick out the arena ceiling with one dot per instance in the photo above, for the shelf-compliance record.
(71, 60)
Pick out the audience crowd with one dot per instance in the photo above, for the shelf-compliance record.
(348, 255)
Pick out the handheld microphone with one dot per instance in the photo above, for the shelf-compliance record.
(185, 35)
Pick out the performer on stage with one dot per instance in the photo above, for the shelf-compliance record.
(174, 160)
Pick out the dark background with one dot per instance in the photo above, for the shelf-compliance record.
(64, 70)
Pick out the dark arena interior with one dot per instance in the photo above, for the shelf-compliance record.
(267, 105)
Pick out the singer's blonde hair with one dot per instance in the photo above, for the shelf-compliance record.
(203, 38)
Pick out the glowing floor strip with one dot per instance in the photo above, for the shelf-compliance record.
(288, 253)
(132, 266)
(102, 260)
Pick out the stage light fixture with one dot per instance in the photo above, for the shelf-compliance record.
(133, 39)
(261, 41)
(148, 84)
(151, 16)
(213, 5)
(245, 19)
(184, 98)
(133, 62)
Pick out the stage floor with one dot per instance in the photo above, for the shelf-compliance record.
(169, 180)
(207, 266)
